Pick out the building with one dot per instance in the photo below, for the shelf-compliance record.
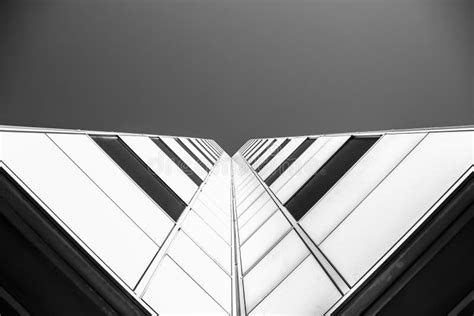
(103, 223)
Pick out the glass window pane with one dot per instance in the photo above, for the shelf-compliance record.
(289, 161)
(398, 202)
(158, 190)
(253, 223)
(185, 156)
(79, 204)
(306, 291)
(162, 166)
(191, 153)
(116, 184)
(277, 149)
(217, 222)
(177, 160)
(202, 269)
(263, 240)
(173, 292)
(201, 150)
(276, 265)
(353, 187)
(208, 240)
(305, 166)
(326, 176)
(257, 150)
(197, 152)
(280, 158)
(262, 151)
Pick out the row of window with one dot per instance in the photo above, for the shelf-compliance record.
(280, 275)
(197, 264)
(118, 196)
(352, 197)
(312, 214)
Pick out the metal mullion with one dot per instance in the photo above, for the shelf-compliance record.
(102, 190)
(127, 288)
(403, 239)
(205, 252)
(258, 227)
(250, 205)
(267, 251)
(210, 227)
(337, 279)
(281, 281)
(239, 306)
(142, 286)
(197, 283)
(370, 192)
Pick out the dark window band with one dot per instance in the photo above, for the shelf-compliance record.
(289, 161)
(273, 154)
(200, 151)
(263, 151)
(178, 161)
(314, 189)
(257, 149)
(150, 182)
(189, 151)
(207, 149)
(251, 147)
(43, 271)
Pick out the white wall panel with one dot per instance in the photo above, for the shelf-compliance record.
(211, 203)
(250, 199)
(244, 180)
(252, 153)
(162, 165)
(260, 242)
(261, 150)
(306, 291)
(116, 184)
(188, 160)
(280, 157)
(276, 265)
(202, 269)
(196, 152)
(269, 151)
(254, 207)
(219, 226)
(245, 190)
(208, 240)
(305, 166)
(248, 227)
(173, 292)
(379, 161)
(79, 203)
(398, 202)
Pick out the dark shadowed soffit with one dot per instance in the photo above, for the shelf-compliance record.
(432, 272)
(43, 271)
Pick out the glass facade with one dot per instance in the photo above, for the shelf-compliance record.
(286, 226)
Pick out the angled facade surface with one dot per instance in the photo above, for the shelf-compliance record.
(103, 223)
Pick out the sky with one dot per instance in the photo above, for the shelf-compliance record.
(234, 70)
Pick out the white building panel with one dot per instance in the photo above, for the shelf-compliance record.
(162, 165)
(398, 202)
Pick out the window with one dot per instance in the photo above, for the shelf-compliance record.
(273, 154)
(263, 151)
(191, 141)
(257, 149)
(166, 198)
(328, 175)
(180, 142)
(177, 160)
(288, 161)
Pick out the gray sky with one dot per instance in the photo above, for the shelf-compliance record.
(233, 70)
